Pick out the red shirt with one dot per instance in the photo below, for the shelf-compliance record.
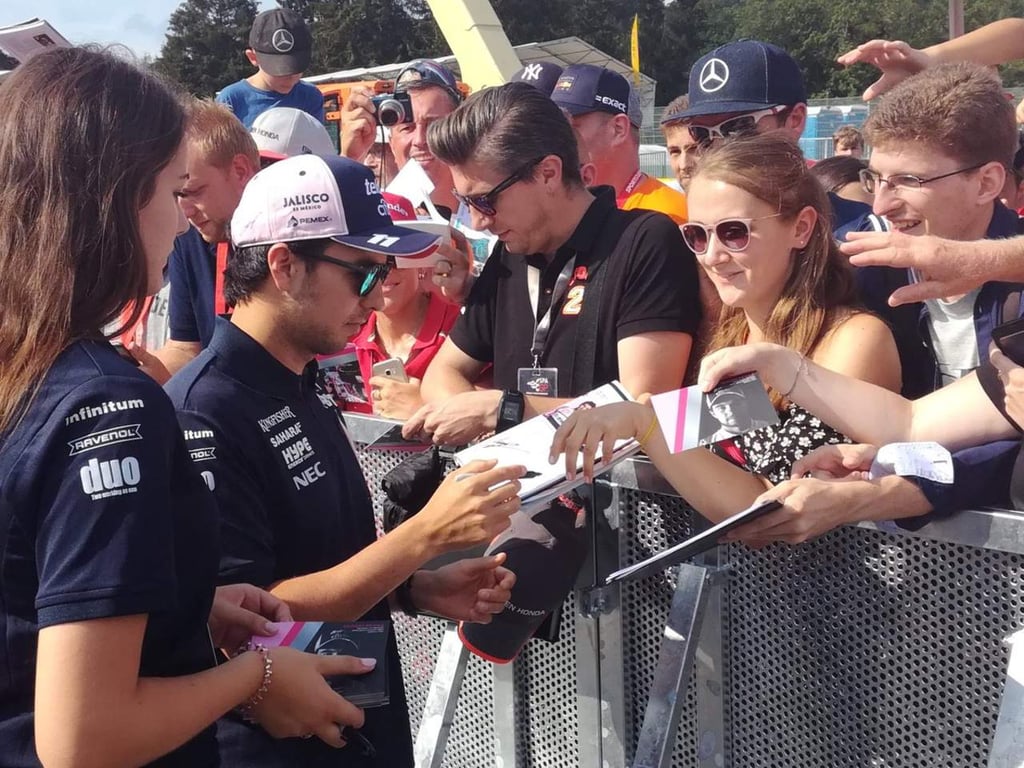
(438, 321)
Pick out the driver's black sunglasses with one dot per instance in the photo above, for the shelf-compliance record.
(372, 273)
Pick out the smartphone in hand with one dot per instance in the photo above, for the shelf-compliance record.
(1009, 337)
(393, 368)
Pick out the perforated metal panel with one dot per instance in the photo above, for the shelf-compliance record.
(650, 524)
(869, 649)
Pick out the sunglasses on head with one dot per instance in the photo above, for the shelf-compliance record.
(372, 274)
(733, 234)
(733, 126)
(485, 203)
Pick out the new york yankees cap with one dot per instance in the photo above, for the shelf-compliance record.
(281, 41)
(742, 76)
(542, 75)
(583, 88)
(311, 197)
(284, 131)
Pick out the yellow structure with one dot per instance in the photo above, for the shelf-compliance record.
(477, 39)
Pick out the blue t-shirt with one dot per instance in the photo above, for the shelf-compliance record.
(249, 102)
(292, 501)
(101, 514)
(191, 271)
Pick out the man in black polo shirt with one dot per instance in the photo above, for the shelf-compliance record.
(313, 242)
(577, 292)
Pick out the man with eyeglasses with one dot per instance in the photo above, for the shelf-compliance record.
(313, 243)
(941, 142)
(577, 292)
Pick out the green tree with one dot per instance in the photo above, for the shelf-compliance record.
(205, 45)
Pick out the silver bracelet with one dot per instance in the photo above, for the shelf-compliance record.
(248, 709)
(802, 368)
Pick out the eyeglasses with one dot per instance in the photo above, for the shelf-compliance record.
(372, 273)
(871, 179)
(734, 126)
(734, 234)
(485, 203)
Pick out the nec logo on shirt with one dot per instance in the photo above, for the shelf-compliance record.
(114, 477)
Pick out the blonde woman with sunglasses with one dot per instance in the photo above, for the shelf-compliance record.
(760, 228)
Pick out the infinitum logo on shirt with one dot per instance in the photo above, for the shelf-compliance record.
(114, 477)
(87, 412)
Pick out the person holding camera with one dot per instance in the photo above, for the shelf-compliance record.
(426, 91)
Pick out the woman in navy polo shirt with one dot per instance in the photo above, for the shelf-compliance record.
(107, 535)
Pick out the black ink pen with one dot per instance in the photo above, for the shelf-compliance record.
(351, 735)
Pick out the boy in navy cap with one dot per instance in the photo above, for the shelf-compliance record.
(280, 47)
(606, 113)
(313, 243)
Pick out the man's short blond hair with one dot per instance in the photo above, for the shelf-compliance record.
(217, 135)
(959, 110)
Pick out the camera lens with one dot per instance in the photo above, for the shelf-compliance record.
(390, 112)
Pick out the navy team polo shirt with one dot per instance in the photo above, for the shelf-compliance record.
(191, 271)
(101, 514)
(292, 501)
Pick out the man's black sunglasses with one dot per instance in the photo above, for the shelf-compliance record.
(372, 273)
(485, 203)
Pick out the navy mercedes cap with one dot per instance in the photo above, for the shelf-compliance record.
(743, 76)
(281, 41)
(586, 88)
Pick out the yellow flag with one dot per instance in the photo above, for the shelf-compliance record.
(634, 48)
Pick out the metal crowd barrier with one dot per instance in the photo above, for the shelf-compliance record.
(869, 647)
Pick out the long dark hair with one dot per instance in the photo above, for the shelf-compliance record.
(83, 136)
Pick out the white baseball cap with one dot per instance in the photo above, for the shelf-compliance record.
(283, 132)
(310, 197)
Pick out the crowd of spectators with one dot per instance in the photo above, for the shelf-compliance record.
(205, 285)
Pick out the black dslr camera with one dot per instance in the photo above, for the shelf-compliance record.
(393, 108)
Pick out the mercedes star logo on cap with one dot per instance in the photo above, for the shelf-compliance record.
(714, 75)
(282, 41)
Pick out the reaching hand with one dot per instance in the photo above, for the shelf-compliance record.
(587, 431)
(1012, 377)
(395, 399)
(458, 420)
(149, 363)
(240, 611)
(946, 267)
(471, 506)
(451, 274)
(829, 462)
(777, 365)
(896, 60)
(467, 590)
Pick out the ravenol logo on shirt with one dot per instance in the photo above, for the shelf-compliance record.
(114, 477)
(104, 437)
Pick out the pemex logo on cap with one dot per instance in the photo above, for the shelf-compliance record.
(283, 40)
(713, 75)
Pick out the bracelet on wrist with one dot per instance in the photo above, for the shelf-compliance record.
(403, 596)
(801, 368)
(650, 431)
(248, 709)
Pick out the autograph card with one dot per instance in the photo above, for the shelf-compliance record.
(690, 418)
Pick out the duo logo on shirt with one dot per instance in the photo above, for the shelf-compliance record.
(112, 477)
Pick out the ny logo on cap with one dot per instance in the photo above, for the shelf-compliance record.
(283, 41)
(713, 75)
(532, 72)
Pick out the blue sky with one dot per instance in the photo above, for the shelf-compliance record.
(139, 25)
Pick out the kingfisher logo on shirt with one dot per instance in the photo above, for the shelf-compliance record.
(104, 437)
(114, 477)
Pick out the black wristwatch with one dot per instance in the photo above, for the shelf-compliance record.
(511, 408)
